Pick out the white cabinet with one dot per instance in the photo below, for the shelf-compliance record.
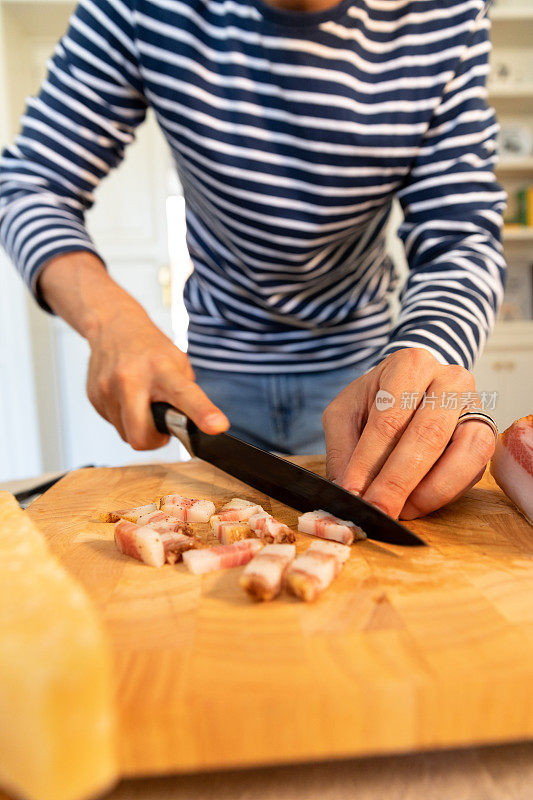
(506, 367)
(20, 453)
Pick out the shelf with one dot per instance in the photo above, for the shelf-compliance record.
(519, 165)
(512, 99)
(514, 13)
(506, 91)
(515, 327)
(517, 234)
(37, 4)
(512, 335)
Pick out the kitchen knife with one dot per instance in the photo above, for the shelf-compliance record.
(290, 484)
(26, 495)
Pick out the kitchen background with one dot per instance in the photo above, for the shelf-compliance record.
(46, 422)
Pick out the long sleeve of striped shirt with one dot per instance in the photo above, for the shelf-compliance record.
(453, 210)
(291, 133)
(72, 135)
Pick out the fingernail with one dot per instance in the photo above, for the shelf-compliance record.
(350, 489)
(216, 421)
(378, 505)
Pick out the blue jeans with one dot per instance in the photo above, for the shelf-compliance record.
(277, 412)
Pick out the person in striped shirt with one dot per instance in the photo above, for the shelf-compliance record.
(293, 124)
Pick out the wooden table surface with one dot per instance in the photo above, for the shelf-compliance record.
(503, 772)
(491, 773)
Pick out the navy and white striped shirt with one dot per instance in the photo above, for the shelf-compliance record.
(291, 133)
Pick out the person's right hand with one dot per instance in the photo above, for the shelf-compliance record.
(132, 365)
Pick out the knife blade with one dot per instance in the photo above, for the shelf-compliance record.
(289, 483)
(25, 495)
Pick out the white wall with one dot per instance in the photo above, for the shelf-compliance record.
(40, 356)
(19, 444)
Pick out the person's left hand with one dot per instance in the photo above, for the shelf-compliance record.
(407, 461)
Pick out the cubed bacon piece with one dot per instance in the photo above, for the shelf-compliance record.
(144, 544)
(151, 546)
(175, 544)
(313, 571)
(222, 556)
(164, 523)
(320, 523)
(108, 516)
(234, 514)
(175, 535)
(269, 529)
(237, 502)
(262, 576)
(131, 514)
(187, 509)
(340, 551)
(230, 532)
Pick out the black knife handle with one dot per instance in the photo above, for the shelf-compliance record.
(168, 420)
(159, 411)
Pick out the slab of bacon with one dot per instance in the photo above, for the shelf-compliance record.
(221, 556)
(187, 509)
(269, 529)
(313, 571)
(231, 532)
(149, 545)
(262, 576)
(512, 465)
(131, 514)
(324, 525)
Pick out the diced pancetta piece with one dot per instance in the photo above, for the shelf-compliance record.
(230, 532)
(313, 571)
(144, 544)
(187, 509)
(232, 515)
(175, 535)
(512, 465)
(131, 514)
(108, 516)
(269, 529)
(164, 523)
(340, 551)
(222, 556)
(263, 575)
(175, 544)
(324, 525)
(237, 502)
(149, 545)
(237, 513)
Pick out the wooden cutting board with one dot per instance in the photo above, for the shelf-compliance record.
(410, 648)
